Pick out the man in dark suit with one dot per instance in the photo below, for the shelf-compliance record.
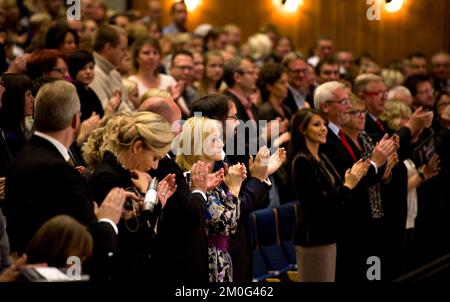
(332, 98)
(297, 69)
(181, 69)
(42, 183)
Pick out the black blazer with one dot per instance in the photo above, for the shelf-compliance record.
(337, 153)
(320, 200)
(40, 185)
(5, 155)
(376, 133)
(253, 196)
(335, 150)
(181, 252)
(132, 259)
(89, 101)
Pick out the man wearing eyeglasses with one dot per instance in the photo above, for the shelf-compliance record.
(422, 91)
(372, 90)
(440, 69)
(297, 70)
(332, 99)
(181, 69)
(240, 77)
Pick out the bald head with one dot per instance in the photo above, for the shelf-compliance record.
(165, 107)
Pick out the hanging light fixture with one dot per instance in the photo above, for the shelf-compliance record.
(192, 5)
(289, 6)
(393, 6)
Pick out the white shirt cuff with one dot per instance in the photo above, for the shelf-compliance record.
(374, 165)
(114, 226)
(203, 194)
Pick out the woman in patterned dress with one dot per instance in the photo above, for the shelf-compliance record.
(201, 140)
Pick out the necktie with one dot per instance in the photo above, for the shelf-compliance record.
(380, 125)
(71, 160)
(347, 145)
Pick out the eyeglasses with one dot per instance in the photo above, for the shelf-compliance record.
(298, 71)
(381, 94)
(340, 102)
(358, 113)
(233, 117)
(61, 70)
(187, 68)
(426, 91)
(251, 72)
(444, 104)
(330, 72)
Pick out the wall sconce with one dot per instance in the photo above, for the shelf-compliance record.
(192, 5)
(393, 6)
(289, 6)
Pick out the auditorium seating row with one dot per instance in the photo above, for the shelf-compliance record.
(273, 250)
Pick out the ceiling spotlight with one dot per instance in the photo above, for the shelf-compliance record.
(291, 5)
(393, 6)
(192, 5)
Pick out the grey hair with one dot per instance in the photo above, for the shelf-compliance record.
(293, 55)
(364, 79)
(394, 91)
(55, 106)
(325, 91)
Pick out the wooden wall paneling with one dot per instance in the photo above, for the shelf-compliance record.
(421, 25)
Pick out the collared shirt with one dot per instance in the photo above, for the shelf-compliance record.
(172, 29)
(373, 116)
(334, 128)
(247, 103)
(60, 147)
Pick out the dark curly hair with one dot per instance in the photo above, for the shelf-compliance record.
(268, 75)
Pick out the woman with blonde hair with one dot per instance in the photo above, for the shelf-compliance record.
(392, 78)
(201, 140)
(132, 145)
(133, 92)
(93, 149)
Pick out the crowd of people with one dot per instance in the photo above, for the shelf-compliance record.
(94, 111)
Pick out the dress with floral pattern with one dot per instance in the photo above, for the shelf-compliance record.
(222, 217)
